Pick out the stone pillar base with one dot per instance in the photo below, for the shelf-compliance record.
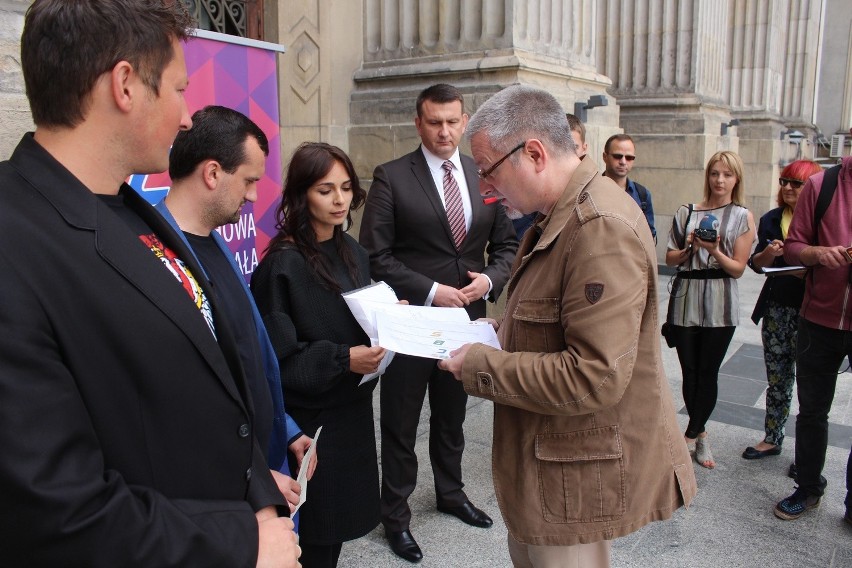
(382, 106)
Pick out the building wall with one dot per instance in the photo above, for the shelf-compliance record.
(672, 71)
(834, 94)
(324, 49)
(15, 117)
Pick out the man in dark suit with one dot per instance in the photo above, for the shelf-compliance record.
(427, 231)
(130, 436)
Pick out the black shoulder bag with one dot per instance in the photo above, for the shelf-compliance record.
(667, 330)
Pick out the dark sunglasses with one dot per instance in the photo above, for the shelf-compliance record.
(627, 157)
(793, 183)
(485, 173)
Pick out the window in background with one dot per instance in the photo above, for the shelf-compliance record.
(242, 18)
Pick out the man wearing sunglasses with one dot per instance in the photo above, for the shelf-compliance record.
(618, 155)
(436, 243)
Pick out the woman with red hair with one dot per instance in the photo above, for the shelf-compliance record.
(778, 305)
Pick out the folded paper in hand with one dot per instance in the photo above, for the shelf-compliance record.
(302, 478)
(784, 270)
(363, 303)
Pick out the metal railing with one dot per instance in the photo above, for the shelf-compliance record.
(223, 16)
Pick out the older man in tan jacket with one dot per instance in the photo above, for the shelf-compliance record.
(586, 445)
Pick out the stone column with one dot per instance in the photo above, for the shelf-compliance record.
(667, 62)
(846, 109)
(480, 46)
(683, 68)
(771, 88)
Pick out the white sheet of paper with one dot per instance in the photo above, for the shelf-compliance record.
(362, 300)
(432, 339)
(362, 303)
(416, 313)
(302, 479)
(784, 270)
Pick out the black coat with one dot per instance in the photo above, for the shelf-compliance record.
(126, 440)
(786, 291)
(312, 330)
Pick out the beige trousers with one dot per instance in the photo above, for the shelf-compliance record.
(594, 555)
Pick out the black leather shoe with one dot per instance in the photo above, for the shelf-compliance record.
(468, 514)
(751, 453)
(404, 545)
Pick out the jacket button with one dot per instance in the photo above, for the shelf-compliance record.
(486, 381)
(244, 431)
(248, 474)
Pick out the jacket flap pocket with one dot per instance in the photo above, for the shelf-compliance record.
(540, 310)
(585, 445)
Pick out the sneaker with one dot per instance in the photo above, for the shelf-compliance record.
(796, 504)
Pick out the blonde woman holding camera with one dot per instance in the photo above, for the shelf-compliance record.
(709, 243)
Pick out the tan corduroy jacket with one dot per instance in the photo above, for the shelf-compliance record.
(586, 445)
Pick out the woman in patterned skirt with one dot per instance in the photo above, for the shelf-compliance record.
(778, 305)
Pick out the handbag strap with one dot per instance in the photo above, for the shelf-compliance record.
(686, 224)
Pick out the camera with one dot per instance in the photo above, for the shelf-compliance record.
(708, 229)
(708, 235)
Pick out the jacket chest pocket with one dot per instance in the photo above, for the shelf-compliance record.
(581, 475)
(537, 326)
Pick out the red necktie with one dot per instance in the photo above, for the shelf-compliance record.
(453, 204)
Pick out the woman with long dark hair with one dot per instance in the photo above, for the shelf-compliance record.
(709, 242)
(778, 305)
(323, 352)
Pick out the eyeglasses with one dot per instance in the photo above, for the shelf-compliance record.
(793, 183)
(485, 173)
(618, 157)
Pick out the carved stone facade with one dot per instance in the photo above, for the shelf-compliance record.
(323, 42)
(683, 69)
(684, 77)
(480, 46)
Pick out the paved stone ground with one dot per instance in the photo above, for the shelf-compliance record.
(730, 523)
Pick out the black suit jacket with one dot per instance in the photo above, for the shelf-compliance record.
(126, 431)
(406, 232)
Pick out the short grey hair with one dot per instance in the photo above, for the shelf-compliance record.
(518, 113)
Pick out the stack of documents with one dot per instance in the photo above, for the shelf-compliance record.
(421, 331)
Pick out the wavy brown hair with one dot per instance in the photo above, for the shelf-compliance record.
(310, 163)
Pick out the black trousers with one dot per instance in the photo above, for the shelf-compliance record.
(819, 354)
(320, 555)
(701, 351)
(403, 389)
